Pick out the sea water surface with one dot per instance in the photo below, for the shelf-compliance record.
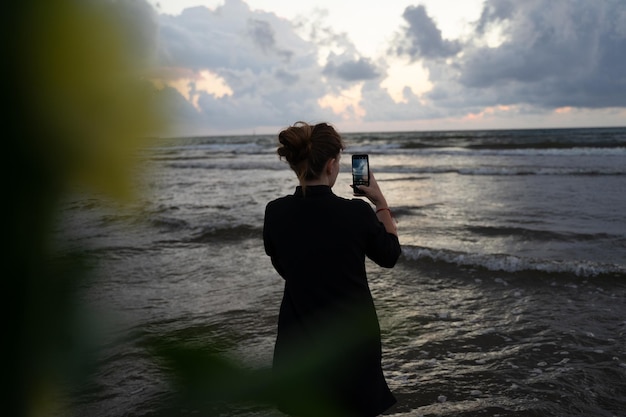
(509, 298)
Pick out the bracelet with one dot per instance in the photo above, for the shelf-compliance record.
(389, 210)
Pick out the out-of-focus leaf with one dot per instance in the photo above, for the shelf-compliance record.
(79, 113)
(85, 89)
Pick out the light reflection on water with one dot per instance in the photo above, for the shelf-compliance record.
(483, 341)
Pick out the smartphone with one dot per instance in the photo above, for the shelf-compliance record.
(360, 172)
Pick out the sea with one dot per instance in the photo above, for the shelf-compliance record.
(509, 298)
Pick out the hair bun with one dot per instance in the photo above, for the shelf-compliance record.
(308, 148)
(296, 143)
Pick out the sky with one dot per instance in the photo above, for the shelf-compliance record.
(257, 66)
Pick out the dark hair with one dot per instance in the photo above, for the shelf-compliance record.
(307, 148)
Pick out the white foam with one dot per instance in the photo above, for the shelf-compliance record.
(511, 263)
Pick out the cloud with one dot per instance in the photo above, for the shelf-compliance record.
(352, 70)
(236, 68)
(232, 36)
(263, 36)
(239, 68)
(246, 68)
(493, 13)
(422, 38)
(552, 54)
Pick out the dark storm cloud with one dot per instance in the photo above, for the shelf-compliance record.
(353, 70)
(422, 38)
(556, 53)
(494, 12)
(551, 54)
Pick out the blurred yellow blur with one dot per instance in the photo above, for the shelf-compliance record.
(85, 85)
(79, 115)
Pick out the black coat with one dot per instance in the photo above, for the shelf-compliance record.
(327, 356)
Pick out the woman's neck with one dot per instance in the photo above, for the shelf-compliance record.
(323, 180)
(313, 183)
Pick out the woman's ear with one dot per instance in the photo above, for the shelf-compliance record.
(330, 166)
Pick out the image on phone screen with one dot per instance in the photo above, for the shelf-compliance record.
(360, 171)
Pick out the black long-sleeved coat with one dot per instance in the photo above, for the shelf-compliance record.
(327, 356)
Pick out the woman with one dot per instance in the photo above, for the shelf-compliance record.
(327, 357)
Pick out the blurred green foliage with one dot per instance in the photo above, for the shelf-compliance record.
(77, 114)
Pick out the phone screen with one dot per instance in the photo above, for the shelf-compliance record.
(360, 171)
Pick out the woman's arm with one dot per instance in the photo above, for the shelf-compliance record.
(383, 212)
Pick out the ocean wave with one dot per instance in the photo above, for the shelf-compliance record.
(539, 235)
(495, 150)
(504, 140)
(551, 144)
(512, 264)
(241, 165)
(585, 147)
(169, 223)
(503, 170)
(220, 234)
(532, 140)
